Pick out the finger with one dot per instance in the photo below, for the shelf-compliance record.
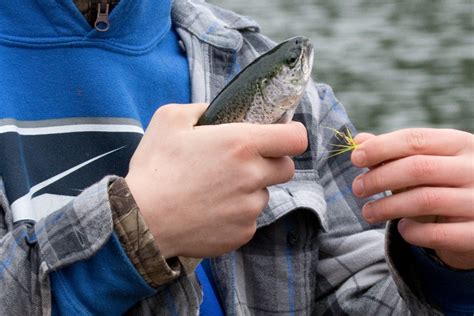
(413, 171)
(362, 137)
(457, 237)
(277, 140)
(262, 202)
(359, 139)
(252, 206)
(407, 142)
(177, 116)
(423, 201)
(275, 171)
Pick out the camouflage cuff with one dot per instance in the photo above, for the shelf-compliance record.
(136, 238)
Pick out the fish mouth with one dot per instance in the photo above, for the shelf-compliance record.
(307, 55)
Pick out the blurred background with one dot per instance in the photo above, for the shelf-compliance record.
(393, 64)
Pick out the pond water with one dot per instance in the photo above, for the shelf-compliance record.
(393, 64)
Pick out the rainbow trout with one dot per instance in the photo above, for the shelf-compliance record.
(268, 90)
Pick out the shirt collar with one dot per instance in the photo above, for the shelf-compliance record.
(213, 25)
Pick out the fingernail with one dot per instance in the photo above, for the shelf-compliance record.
(359, 186)
(368, 212)
(358, 156)
(402, 224)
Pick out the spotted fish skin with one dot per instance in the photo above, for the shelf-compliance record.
(268, 90)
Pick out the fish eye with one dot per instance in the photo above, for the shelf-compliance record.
(292, 60)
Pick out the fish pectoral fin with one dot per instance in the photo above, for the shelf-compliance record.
(286, 117)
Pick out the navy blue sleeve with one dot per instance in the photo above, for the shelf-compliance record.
(452, 290)
(105, 284)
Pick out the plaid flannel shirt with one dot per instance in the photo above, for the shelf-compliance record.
(313, 253)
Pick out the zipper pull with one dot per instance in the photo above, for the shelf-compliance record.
(102, 23)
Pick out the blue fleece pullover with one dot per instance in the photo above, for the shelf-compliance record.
(56, 68)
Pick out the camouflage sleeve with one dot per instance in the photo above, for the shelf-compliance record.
(136, 238)
(30, 251)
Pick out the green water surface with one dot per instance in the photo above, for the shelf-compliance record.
(393, 64)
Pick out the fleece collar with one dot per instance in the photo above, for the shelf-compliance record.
(136, 26)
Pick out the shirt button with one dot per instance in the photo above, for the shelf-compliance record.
(292, 238)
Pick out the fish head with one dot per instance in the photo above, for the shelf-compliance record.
(298, 58)
(284, 86)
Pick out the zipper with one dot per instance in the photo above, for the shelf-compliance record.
(102, 23)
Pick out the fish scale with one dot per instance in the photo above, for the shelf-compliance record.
(268, 90)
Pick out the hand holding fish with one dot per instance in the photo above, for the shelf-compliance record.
(201, 188)
(434, 171)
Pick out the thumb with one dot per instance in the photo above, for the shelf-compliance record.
(193, 112)
(178, 116)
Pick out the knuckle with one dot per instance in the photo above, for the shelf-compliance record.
(471, 238)
(422, 167)
(300, 139)
(468, 139)
(439, 237)
(265, 197)
(383, 208)
(245, 184)
(164, 112)
(257, 178)
(288, 168)
(252, 178)
(250, 232)
(374, 180)
(255, 205)
(241, 147)
(416, 140)
(246, 233)
(428, 199)
(230, 139)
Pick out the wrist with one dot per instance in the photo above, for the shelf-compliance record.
(136, 238)
(152, 216)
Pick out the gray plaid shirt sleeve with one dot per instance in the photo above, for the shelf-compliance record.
(29, 252)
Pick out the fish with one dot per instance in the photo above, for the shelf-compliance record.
(268, 90)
